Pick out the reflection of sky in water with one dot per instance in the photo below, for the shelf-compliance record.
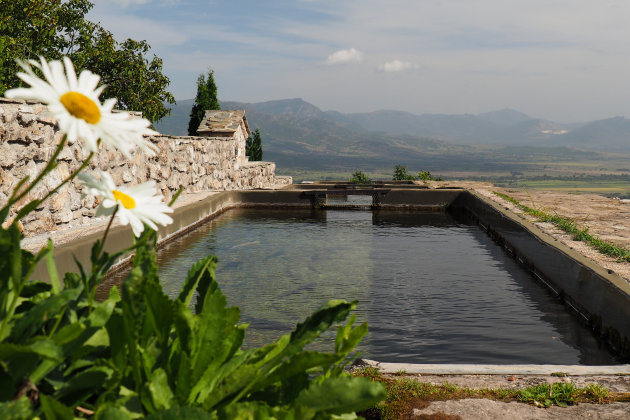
(433, 289)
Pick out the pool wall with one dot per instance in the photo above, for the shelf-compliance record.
(600, 297)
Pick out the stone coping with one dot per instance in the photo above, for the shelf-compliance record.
(483, 369)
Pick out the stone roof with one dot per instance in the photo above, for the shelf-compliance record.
(223, 123)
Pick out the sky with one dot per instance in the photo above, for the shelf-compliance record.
(563, 60)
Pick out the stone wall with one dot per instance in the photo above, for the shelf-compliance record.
(28, 139)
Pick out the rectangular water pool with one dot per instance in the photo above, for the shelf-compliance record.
(433, 287)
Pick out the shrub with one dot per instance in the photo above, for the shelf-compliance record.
(426, 176)
(401, 174)
(359, 177)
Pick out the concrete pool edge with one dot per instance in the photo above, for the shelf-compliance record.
(600, 297)
(485, 369)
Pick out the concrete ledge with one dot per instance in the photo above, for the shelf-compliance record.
(474, 369)
(601, 298)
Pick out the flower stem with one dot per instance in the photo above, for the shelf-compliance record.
(109, 224)
(30, 206)
(15, 197)
(96, 260)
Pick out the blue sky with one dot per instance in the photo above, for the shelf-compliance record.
(566, 60)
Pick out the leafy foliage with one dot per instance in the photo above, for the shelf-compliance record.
(358, 177)
(401, 174)
(426, 176)
(52, 29)
(253, 146)
(206, 99)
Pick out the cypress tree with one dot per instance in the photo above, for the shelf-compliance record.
(253, 147)
(206, 99)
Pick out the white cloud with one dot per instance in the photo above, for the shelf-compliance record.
(345, 56)
(397, 66)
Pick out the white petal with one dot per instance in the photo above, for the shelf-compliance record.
(70, 73)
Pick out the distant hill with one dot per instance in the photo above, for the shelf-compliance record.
(611, 134)
(505, 117)
(297, 134)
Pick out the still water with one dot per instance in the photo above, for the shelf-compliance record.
(433, 287)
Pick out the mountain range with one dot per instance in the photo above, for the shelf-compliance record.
(298, 134)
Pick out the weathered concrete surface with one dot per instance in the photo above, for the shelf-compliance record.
(479, 369)
(482, 409)
(506, 377)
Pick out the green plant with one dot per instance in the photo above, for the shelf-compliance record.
(205, 99)
(401, 174)
(560, 394)
(404, 394)
(140, 353)
(358, 177)
(426, 176)
(253, 146)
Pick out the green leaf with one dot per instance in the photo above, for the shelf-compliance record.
(202, 272)
(53, 275)
(216, 384)
(320, 321)
(16, 410)
(43, 347)
(35, 319)
(112, 412)
(54, 410)
(183, 413)
(259, 410)
(84, 384)
(159, 391)
(341, 395)
(301, 362)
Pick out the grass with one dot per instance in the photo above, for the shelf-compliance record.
(404, 394)
(570, 226)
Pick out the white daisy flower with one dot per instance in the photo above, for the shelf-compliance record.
(136, 205)
(74, 103)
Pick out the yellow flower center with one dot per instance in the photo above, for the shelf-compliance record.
(81, 106)
(127, 201)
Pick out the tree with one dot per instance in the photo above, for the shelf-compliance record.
(53, 29)
(206, 99)
(253, 147)
(358, 177)
(401, 174)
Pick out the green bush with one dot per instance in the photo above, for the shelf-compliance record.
(253, 147)
(401, 174)
(426, 176)
(359, 177)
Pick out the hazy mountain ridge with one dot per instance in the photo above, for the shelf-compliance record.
(298, 134)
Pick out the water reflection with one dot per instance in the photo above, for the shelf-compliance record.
(433, 287)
